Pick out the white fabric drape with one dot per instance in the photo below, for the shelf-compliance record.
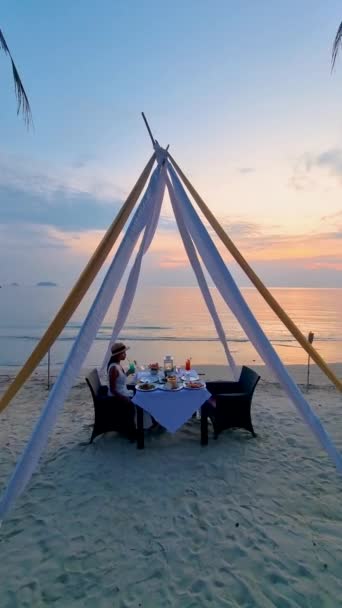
(30, 457)
(192, 255)
(195, 236)
(231, 294)
(133, 278)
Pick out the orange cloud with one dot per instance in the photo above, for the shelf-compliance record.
(174, 262)
(80, 243)
(327, 264)
(167, 250)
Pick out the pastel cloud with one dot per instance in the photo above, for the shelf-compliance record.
(246, 170)
(330, 159)
(62, 208)
(45, 212)
(311, 169)
(175, 261)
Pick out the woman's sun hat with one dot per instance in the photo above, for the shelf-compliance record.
(118, 347)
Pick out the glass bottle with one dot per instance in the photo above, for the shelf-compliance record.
(168, 364)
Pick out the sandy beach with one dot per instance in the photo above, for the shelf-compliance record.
(242, 522)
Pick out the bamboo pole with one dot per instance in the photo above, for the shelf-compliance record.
(311, 336)
(80, 288)
(148, 129)
(291, 326)
(48, 385)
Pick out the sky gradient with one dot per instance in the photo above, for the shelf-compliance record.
(242, 92)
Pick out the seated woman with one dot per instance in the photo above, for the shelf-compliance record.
(117, 378)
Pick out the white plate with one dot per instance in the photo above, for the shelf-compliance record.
(146, 390)
(194, 388)
(164, 387)
(187, 378)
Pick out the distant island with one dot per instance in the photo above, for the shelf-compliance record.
(46, 284)
(14, 285)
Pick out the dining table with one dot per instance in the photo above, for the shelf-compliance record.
(170, 407)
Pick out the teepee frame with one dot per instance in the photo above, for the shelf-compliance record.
(100, 255)
(164, 176)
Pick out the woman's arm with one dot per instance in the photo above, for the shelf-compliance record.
(112, 377)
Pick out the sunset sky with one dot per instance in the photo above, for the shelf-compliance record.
(241, 90)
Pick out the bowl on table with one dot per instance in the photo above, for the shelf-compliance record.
(172, 382)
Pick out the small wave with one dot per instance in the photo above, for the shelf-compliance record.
(104, 328)
(282, 342)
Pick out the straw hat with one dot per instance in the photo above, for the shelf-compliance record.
(118, 347)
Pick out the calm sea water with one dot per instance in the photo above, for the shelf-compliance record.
(171, 320)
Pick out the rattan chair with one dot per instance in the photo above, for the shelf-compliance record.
(233, 404)
(111, 413)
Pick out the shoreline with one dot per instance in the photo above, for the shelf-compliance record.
(211, 372)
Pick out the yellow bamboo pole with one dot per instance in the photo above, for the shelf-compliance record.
(80, 288)
(291, 326)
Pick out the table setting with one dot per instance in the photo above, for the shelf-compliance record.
(169, 393)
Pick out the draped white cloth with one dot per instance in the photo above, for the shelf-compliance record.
(132, 282)
(195, 236)
(231, 294)
(72, 366)
(192, 255)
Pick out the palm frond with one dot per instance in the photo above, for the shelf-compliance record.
(23, 104)
(336, 46)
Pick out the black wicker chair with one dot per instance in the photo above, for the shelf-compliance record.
(111, 413)
(233, 405)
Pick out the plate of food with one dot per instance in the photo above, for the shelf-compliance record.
(146, 387)
(190, 377)
(168, 387)
(194, 384)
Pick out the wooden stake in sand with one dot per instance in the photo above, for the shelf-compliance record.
(311, 336)
(48, 369)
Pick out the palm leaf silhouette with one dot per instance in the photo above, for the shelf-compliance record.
(23, 104)
(336, 46)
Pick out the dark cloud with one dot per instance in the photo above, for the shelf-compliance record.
(62, 208)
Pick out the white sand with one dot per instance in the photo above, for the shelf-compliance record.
(242, 522)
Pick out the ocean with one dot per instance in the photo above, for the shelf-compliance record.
(172, 320)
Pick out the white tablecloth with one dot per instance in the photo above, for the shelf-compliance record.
(171, 408)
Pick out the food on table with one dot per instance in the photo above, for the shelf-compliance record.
(194, 384)
(154, 366)
(146, 386)
(172, 382)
